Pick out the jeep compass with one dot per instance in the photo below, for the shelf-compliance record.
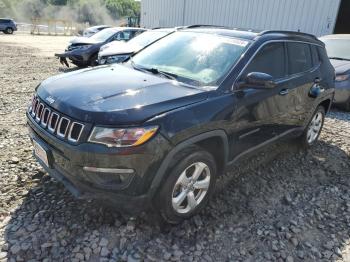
(158, 130)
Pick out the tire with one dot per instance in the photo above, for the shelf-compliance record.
(79, 65)
(93, 61)
(180, 198)
(9, 31)
(314, 128)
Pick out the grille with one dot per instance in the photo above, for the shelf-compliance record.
(53, 122)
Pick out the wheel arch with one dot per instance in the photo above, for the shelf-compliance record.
(326, 104)
(207, 141)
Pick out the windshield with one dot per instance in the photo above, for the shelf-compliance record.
(103, 35)
(203, 58)
(339, 48)
(147, 38)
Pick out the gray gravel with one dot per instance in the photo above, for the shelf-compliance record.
(282, 205)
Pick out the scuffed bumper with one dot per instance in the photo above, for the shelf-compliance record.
(342, 92)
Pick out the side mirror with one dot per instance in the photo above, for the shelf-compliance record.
(260, 80)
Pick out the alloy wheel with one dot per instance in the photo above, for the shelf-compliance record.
(314, 127)
(191, 188)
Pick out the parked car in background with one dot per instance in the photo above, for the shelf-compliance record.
(83, 51)
(338, 49)
(117, 51)
(8, 26)
(94, 29)
(157, 131)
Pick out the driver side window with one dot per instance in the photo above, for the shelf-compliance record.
(269, 60)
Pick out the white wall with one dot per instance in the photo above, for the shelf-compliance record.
(312, 16)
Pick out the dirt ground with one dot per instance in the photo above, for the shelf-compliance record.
(47, 45)
(284, 204)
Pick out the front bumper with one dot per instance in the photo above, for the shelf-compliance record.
(342, 92)
(76, 56)
(66, 163)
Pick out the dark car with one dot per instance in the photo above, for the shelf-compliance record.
(8, 26)
(118, 51)
(83, 51)
(157, 131)
(94, 29)
(338, 49)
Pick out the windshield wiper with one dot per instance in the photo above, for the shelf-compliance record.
(339, 58)
(155, 71)
(187, 81)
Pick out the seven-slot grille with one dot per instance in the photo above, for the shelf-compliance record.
(55, 123)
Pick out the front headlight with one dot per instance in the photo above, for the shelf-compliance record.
(340, 78)
(122, 137)
(116, 59)
(83, 47)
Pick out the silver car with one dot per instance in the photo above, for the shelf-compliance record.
(338, 49)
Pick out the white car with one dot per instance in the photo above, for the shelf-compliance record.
(93, 30)
(118, 51)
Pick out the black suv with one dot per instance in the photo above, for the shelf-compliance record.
(8, 26)
(158, 130)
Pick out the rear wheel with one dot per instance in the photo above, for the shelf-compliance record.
(314, 128)
(9, 30)
(188, 187)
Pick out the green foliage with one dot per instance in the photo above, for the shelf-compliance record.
(121, 8)
(92, 11)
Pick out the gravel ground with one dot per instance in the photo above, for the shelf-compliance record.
(285, 205)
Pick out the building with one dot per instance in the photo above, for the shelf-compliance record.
(319, 17)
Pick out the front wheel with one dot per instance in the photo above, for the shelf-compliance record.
(188, 187)
(314, 128)
(9, 30)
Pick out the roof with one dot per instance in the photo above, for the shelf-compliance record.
(251, 34)
(166, 29)
(122, 28)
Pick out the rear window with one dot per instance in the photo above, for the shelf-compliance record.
(4, 21)
(300, 59)
(269, 60)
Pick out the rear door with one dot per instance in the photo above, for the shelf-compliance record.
(303, 71)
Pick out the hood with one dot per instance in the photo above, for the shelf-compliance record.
(83, 40)
(119, 47)
(340, 66)
(115, 95)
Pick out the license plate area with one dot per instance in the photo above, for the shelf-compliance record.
(41, 153)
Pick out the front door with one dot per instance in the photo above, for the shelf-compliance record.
(259, 112)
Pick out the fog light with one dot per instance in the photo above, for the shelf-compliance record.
(109, 170)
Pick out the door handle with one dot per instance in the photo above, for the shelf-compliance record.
(284, 92)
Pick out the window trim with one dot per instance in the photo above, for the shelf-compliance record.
(234, 85)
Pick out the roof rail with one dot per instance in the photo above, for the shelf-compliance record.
(286, 32)
(195, 26)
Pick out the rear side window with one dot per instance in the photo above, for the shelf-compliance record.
(269, 60)
(300, 59)
(315, 56)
